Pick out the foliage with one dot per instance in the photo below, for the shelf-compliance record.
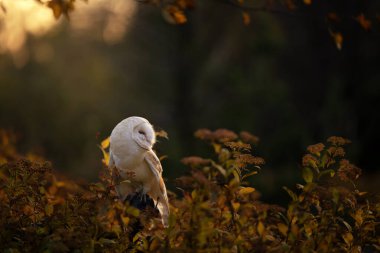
(336, 14)
(216, 211)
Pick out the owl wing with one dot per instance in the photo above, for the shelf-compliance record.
(122, 190)
(160, 197)
(154, 163)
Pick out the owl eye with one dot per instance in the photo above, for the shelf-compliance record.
(141, 132)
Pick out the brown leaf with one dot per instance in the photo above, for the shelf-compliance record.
(162, 134)
(56, 8)
(364, 22)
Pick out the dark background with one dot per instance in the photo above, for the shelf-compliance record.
(281, 78)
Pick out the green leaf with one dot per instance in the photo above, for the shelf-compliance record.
(327, 172)
(220, 168)
(291, 193)
(307, 175)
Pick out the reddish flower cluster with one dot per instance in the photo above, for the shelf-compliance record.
(338, 141)
(336, 151)
(238, 146)
(316, 148)
(309, 160)
(221, 135)
(194, 161)
(243, 159)
(347, 171)
(248, 137)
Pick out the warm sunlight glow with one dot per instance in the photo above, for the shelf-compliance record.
(114, 19)
(22, 18)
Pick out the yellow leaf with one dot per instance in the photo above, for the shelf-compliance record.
(260, 228)
(338, 38)
(282, 228)
(348, 238)
(308, 229)
(235, 205)
(125, 220)
(246, 190)
(194, 194)
(106, 156)
(105, 143)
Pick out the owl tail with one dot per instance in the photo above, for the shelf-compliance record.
(163, 207)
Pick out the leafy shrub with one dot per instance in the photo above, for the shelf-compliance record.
(216, 210)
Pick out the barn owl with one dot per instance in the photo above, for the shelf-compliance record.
(135, 166)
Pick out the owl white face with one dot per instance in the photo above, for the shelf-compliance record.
(144, 135)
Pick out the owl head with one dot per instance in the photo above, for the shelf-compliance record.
(142, 132)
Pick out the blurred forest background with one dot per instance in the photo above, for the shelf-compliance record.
(64, 84)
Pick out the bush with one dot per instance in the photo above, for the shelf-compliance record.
(216, 211)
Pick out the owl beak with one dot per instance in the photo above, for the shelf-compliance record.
(143, 144)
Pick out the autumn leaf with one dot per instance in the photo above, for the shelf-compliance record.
(333, 17)
(246, 190)
(174, 15)
(364, 22)
(246, 18)
(260, 228)
(282, 228)
(338, 39)
(307, 2)
(235, 206)
(105, 143)
(348, 238)
(56, 8)
(307, 175)
(162, 134)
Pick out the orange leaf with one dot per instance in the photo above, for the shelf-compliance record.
(246, 18)
(364, 22)
(246, 190)
(174, 15)
(307, 2)
(282, 228)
